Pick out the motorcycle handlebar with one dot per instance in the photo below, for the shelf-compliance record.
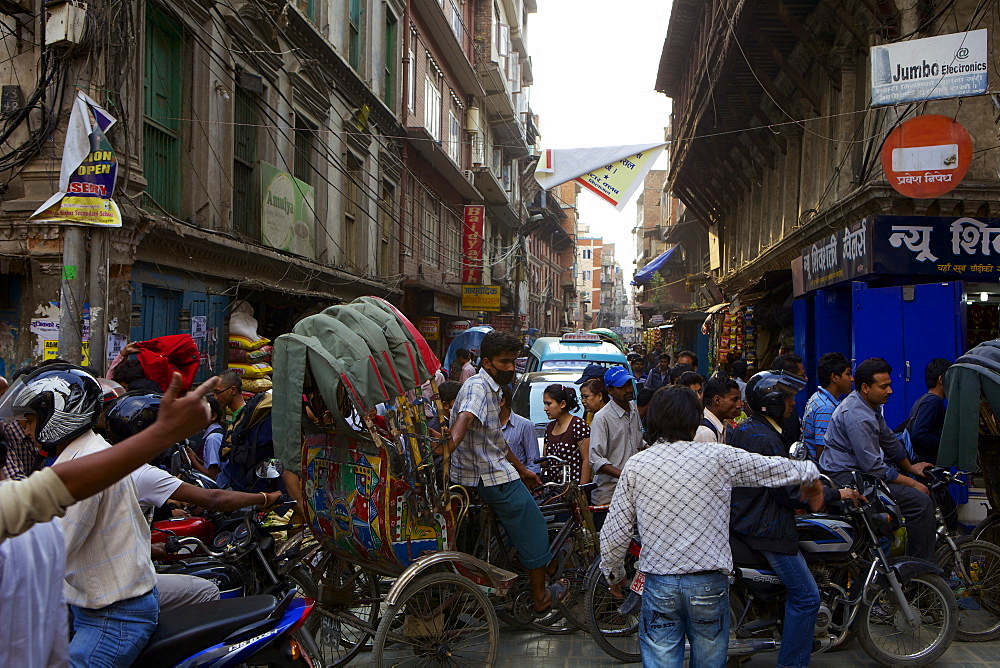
(191, 541)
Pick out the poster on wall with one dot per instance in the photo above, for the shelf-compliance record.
(88, 172)
(288, 212)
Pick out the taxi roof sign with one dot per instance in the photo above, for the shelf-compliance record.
(580, 336)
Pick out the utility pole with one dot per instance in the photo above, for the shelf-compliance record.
(98, 297)
(73, 293)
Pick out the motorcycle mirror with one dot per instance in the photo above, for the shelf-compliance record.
(799, 451)
(269, 469)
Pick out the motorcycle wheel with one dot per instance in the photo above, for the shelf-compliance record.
(974, 576)
(440, 619)
(881, 626)
(616, 634)
(346, 611)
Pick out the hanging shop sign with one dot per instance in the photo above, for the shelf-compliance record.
(926, 156)
(430, 328)
(453, 329)
(88, 173)
(480, 297)
(842, 256)
(472, 244)
(288, 212)
(941, 246)
(929, 69)
(613, 173)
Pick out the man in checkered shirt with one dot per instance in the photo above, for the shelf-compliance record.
(678, 492)
(482, 460)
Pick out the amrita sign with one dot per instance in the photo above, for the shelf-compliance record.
(287, 212)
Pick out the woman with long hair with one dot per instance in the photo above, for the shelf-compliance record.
(567, 436)
(594, 396)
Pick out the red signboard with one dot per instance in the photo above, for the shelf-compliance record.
(472, 244)
(926, 156)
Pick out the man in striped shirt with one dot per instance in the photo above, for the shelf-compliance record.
(834, 373)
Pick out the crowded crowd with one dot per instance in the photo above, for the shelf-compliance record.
(688, 459)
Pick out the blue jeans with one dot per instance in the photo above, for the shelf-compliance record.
(675, 606)
(114, 635)
(801, 606)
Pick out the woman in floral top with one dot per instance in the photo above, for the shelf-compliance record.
(567, 436)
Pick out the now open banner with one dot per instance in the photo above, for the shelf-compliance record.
(88, 173)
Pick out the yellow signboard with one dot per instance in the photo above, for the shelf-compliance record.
(50, 351)
(429, 327)
(480, 297)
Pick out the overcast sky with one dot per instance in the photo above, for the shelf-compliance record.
(594, 65)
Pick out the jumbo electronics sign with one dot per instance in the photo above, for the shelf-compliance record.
(929, 69)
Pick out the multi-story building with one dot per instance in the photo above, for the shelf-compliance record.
(613, 297)
(291, 155)
(778, 157)
(550, 254)
(465, 80)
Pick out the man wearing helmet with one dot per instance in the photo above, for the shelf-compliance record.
(110, 582)
(765, 518)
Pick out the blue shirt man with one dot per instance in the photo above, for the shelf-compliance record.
(835, 379)
(519, 432)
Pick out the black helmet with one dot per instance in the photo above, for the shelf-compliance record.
(767, 390)
(131, 413)
(65, 400)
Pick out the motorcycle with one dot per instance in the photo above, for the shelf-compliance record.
(901, 609)
(262, 629)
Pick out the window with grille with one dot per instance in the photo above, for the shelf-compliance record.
(246, 189)
(161, 146)
(409, 220)
(387, 212)
(587, 275)
(354, 41)
(432, 105)
(411, 84)
(389, 70)
(432, 230)
(354, 207)
(454, 136)
(454, 245)
(456, 19)
(305, 150)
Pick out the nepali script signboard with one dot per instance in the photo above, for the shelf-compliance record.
(842, 256)
(929, 69)
(948, 247)
(480, 297)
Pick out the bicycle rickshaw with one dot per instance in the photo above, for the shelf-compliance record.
(350, 418)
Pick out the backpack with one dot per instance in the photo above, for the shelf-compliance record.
(902, 432)
(213, 428)
(724, 439)
(250, 442)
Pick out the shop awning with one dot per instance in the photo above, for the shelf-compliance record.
(715, 309)
(645, 274)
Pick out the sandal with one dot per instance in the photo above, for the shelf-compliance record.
(559, 590)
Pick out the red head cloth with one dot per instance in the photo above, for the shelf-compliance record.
(161, 356)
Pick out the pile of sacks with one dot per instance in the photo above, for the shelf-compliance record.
(249, 353)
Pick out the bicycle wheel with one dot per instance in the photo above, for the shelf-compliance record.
(441, 619)
(883, 631)
(973, 573)
(988, 529)
(615, 632)
(347, 607)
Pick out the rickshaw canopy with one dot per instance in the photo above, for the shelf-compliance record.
(973, 377)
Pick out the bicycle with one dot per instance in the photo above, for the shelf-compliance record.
(573, 543)
(971, 567)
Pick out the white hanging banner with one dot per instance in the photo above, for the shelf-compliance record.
(613, 173)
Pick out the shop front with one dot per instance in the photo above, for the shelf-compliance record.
(905, 288)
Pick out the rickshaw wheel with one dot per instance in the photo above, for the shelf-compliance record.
(441, 619)
(342, 591)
